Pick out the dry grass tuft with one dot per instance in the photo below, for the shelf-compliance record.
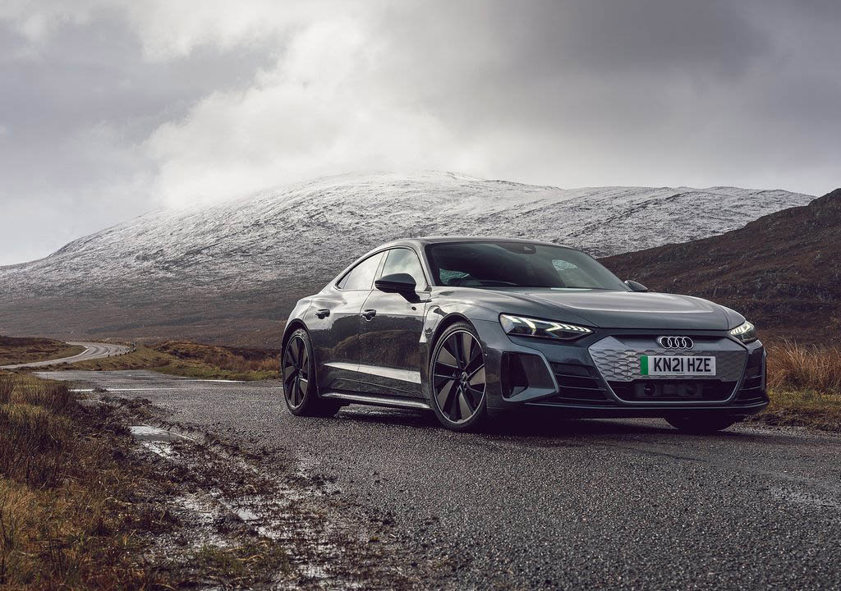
(799, 367)
(6, 387)
(804, 385)
(194, 360)
(66, 520)
(242, 361)
(34, 444)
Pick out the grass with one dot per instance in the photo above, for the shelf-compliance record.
(804, 385)
(239, 565)
(194, 360)
(14, 350)
(64, 499)
(798, 367)
(79, 510)
(806, 408)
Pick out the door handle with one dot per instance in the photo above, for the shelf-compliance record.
(369, 314)
(322, 313)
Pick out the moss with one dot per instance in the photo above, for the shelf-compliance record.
(806, 408)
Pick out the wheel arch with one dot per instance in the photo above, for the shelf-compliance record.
(446, 322)
(291, 328)
(479, 415)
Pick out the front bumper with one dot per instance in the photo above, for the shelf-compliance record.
(599, 375)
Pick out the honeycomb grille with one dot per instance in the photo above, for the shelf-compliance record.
(619, 360)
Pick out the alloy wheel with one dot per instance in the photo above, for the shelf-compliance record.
(459, 377)
(296, 371)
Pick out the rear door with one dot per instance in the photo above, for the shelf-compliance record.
(333, 321)
(390, 331)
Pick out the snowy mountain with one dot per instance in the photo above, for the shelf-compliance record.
(277, 244)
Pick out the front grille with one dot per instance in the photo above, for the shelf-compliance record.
(578, 384)
(673, 390)
(617, 357)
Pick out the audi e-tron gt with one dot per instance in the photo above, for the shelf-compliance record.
(473, 327)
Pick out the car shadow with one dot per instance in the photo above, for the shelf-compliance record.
(549, 424)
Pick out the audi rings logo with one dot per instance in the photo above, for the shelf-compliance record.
(675, 342)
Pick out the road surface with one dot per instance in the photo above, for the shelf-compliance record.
(551, 503)
(92, 351)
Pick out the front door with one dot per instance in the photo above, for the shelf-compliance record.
(390, 331)
(333, 321)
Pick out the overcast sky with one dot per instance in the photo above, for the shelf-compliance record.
(112, 108)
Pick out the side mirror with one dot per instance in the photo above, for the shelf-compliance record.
(635, 285)
(401, 283)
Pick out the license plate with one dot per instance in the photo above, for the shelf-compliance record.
(676, 365)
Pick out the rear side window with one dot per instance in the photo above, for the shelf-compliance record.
(403, 260)
(361, 277)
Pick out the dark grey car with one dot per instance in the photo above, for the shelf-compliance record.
(474, 327)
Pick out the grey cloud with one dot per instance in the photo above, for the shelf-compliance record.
(583, 92)
(74, 111)
(717, 92)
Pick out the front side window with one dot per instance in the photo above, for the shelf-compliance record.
(361, 277)
(517, 264)
(403, 260)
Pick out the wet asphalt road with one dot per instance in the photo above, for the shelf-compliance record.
(628, 503)
(92, 351)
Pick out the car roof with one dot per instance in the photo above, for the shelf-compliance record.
(424, 240)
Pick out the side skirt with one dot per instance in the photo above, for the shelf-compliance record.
(377, 400)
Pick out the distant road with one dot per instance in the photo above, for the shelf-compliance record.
(92, 351)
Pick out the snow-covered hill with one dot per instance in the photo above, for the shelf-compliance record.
(307, 232)
(232, 272)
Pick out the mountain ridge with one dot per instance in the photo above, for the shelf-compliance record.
(250, 258)
(782, 270)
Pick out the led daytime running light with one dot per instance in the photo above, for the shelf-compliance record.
(547, 329)
(745, 332)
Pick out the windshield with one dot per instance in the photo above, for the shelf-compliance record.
(517, 264)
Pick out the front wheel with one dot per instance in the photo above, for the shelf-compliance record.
(700, 423)
(297, 367)
(457, 379)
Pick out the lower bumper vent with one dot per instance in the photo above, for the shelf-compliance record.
(673, 390)
(753, 389)
(579, 384)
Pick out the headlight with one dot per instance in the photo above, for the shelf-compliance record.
(745, 332)
(545, 329)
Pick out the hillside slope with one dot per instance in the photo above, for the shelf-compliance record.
(783, 271)
(235, 268)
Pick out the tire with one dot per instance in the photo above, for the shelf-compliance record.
(457, 379)
(701, 424)
(297, 372)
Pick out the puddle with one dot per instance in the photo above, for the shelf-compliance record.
(158, 441)
(154, 434)
(326, 550)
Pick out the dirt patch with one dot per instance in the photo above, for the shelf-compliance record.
(244, 518)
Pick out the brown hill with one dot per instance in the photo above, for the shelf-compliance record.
(782, 271)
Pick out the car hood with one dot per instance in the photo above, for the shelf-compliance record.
(618, 309)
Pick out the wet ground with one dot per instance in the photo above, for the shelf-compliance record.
(547, 503)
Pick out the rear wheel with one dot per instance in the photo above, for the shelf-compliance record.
(457, 378)
(700, 423)
(297, 367)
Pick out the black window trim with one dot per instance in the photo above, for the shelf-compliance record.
(428, 286)
(349, 271)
